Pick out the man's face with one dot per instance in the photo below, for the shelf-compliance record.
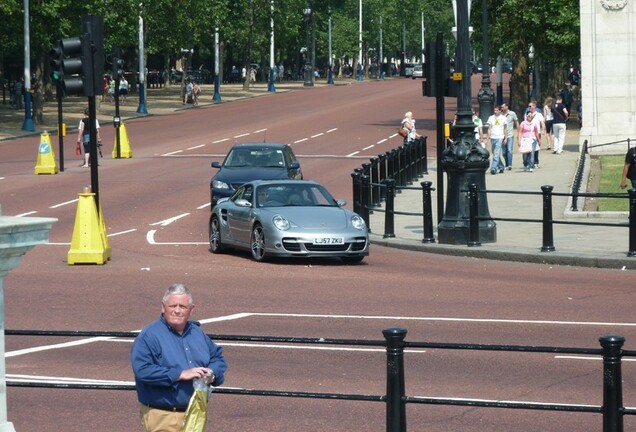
(504, 108)
(497, 111)
(176, 311)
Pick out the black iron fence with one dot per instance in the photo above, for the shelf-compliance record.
(395, 398)
(373, 185)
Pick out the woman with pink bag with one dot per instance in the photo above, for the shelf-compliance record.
(528, 132)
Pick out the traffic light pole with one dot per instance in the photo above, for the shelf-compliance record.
(60, 123)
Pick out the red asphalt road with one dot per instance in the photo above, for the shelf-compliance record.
(155, 209)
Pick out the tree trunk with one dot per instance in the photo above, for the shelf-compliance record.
(519, 83)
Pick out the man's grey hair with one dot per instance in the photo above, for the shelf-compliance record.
(177, 289)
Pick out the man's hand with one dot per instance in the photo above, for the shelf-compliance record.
(190, 374)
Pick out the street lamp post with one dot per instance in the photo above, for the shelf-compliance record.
(216, 98)
(465, 161)
(330, 72)
(141, 109)
(270, 85)
(309, 79)
(485, 96)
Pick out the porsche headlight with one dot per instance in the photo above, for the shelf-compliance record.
(216, 184)
(280, 222)
(357, 222)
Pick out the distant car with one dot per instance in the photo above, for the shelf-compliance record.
(408, 69)
(476, 68)
(418, 71)
(288, 218)
(253, 161)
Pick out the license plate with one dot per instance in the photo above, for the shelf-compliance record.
(328, 240)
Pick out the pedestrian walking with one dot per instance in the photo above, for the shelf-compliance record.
(512, 121)
(548, 118)
(497, 134)
(629, 170)
(84, 137)
(528, 134)
(408, 123)
(559, 125)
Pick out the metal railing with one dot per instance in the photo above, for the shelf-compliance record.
(395, 399)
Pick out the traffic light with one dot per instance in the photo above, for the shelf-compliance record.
(76, 61)
(56, 63)
(72, 65)
(429, 70)
(118, 65)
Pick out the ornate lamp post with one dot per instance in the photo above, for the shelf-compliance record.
(485, 96)
(309, 78)
(465, 161)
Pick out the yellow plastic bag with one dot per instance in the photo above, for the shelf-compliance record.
(196, 415)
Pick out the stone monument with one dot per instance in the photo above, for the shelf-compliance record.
(608, 73)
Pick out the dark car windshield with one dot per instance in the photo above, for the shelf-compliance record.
(264, 158)
(294, 195)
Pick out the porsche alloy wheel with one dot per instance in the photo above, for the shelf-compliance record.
(258, 243)
(215, 236)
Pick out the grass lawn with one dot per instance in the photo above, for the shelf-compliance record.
(611, 170)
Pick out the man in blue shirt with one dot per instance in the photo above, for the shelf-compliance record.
(167, 356)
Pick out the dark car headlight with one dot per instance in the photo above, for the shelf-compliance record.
(281, 223)
(357, 222)
(218, 184)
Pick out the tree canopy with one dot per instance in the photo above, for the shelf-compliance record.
(550, 27)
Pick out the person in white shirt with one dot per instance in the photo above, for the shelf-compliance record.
(497, 134)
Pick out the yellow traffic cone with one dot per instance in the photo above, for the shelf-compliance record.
(87, 245)
(46, 163)
(124, 144)
(105, 241)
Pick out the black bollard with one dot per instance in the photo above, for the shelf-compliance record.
(357, 184)
(375, 180)
(364, 199)
(473, 213)
(390, 168)
(632, 223)
(382, 171)
(428, 212)
(548, 236)
(424, 156)
(395, 391)
(612, 383)
(389, 223)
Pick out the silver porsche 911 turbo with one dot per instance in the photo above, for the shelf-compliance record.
(287, 218)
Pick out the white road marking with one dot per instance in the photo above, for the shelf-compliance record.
(368, 147)
(196, 147)
(260, 130)
(150, 238)
(300, 140)
(382, 140)
(353, 154)
(168, 221)
(172, 153)
(241, 135)
(220, 141)
(573, 357)
(203, 206)
(55, 346)
(122, 232)
(332, 130)
(317, 135)
(447, 319)
(64, 203)
(26, 214)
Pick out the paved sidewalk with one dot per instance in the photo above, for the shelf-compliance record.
(577, 245)
(159, 101)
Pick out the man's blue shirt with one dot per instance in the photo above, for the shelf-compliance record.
(159, 355)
